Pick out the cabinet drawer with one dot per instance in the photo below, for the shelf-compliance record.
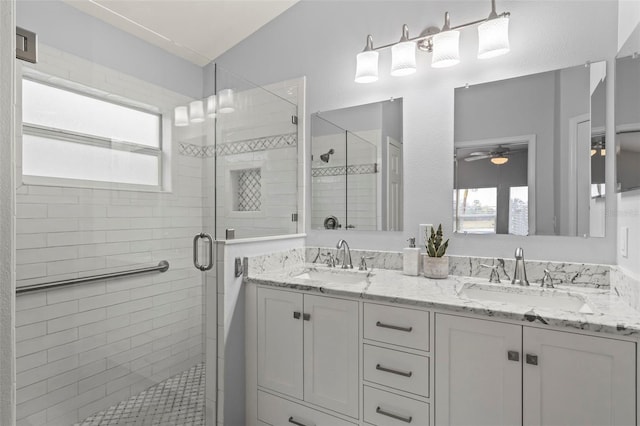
(396, 369)
(385, 408)
(280, 412)
(398, 326)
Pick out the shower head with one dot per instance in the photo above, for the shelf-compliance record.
(325, 157)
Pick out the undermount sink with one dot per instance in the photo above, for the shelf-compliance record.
(337, 276)
(526, 296)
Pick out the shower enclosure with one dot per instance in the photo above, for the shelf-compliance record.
(130, 161)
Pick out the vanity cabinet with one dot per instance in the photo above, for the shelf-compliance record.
(396, 365)
(491, 373)
(308, 349)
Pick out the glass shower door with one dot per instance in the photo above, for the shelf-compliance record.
(111, 155)
(257, 162)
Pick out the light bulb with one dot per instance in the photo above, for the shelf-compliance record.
(196, 112)
(180, 116)
(493, 38)
(446, 51)
(499, 160)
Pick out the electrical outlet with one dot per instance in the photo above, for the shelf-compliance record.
(624, 241)
(423, 228)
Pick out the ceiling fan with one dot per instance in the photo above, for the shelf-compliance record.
(498, 156)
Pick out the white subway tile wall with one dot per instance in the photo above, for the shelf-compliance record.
(82, 349)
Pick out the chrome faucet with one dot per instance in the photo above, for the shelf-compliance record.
(342, 244)
(520, 273)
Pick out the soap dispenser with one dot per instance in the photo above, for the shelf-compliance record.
(411, 259)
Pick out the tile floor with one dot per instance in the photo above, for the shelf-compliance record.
(179, 400)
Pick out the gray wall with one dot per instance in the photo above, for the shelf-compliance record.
(319, 39)
(66, 28)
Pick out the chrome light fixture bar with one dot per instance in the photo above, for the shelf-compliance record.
(443, 43)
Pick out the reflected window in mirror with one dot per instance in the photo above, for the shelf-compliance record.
(539, 140)
(491, 194)
(356, 168)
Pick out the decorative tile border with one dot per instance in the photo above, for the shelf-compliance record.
(259, 144)
(191, 150)
(239, 147)
(353, 169)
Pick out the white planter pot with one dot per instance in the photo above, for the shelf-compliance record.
(436, 267)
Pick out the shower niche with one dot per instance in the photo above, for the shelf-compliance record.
(356, 168)
(246, 190)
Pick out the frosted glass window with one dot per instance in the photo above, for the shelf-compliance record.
(75, 136)
(53, 107)
(69, 160)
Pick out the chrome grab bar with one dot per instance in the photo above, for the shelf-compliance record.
(163, 266)
(209, 240)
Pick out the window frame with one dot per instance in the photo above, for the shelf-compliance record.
(96, 141)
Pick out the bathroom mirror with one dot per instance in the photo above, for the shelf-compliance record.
(356, 168)
(628, 114)
(530, 154)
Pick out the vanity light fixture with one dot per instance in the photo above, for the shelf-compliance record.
(498, 161)
(493, 35)
(367, 64)
(446, 46)
(403, 55)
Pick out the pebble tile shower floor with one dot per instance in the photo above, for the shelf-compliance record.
(179, 400)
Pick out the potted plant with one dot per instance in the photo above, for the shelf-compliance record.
(436, 264)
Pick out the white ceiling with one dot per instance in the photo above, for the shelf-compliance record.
(196, 30)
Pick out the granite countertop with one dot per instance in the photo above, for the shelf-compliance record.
(605, 312)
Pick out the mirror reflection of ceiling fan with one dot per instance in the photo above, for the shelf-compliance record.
(498, 156)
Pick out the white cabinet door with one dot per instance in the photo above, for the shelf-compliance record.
(476, 383)
(578, 380)
(280, 341)
(331, 353)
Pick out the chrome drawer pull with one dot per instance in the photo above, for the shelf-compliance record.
(390, 370)
(394, 327)
(291, 420)
(394, 416)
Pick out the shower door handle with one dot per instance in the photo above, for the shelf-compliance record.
(196, 251)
